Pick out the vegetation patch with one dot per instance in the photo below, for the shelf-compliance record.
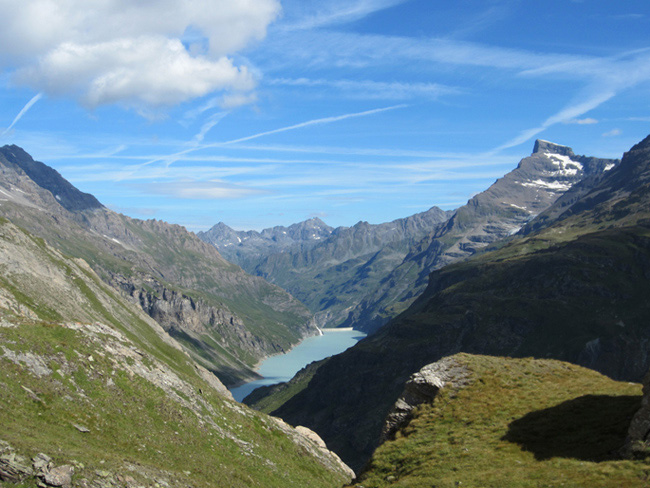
(520, 423)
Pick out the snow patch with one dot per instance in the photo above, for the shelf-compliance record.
(517, 206)
(609, 166)
(550, 185)
(57, 197)
(566, 165)
(113, 239)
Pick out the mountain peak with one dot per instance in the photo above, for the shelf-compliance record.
(542, 146)
(49, 179)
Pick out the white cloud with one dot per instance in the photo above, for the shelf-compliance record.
(585, 121)
(202, 190)
(613, 133)
(131, 52)
(152, 71)
(369, 89)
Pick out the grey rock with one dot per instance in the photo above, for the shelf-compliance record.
(81, 428)
(41, 462)
(423, 387)
(638, 435)
(14, 468)
(61, 476)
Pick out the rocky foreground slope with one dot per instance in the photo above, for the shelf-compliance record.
(95, 393)
(575, 290)
(227, 319)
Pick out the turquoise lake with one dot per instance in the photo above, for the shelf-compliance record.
(281, 368)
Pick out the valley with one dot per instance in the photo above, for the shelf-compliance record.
(98, 308)
(324, 244)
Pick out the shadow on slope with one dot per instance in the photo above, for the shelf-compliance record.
(588, 428)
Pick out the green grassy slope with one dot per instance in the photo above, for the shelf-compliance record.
(88, 379)
(519, 423)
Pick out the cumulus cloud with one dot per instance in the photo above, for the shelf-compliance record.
(136, 53)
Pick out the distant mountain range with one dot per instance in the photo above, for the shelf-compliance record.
(573, 285)
(226, 319)
(328, 269)
(364, 275)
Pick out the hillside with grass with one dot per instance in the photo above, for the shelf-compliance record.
(95, 393)
(228, 320)
(515, 422)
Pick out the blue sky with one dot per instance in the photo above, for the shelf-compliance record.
(268, 112)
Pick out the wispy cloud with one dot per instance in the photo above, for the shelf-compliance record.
(324, 120)
(201, 190)
(22, 112)
(337, 12)
(613, 133)
(207, 125)
(585, 121)
(368, 89)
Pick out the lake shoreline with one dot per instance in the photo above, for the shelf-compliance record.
(282, 367)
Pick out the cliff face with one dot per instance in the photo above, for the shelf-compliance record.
(226, 318)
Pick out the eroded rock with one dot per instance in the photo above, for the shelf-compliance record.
(422, 387)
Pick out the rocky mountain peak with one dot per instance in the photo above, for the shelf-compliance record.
(49, 179)
(542, 146)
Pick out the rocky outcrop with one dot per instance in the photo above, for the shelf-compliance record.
(15, 468)
(423, 387)
(312, 442)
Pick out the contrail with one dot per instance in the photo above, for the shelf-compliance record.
(27, 106)
(172, 158)
(325, 120)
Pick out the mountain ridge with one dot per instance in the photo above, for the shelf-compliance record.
(574, 290)
(242, 318)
